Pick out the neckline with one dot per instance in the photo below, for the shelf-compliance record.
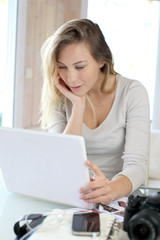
(108, 116)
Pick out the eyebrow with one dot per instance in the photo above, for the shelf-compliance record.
(83, 61)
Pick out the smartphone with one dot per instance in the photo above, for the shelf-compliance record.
(86, 224)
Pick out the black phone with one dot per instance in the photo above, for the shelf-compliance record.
(86, 224)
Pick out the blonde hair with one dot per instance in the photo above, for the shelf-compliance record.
(74, 31)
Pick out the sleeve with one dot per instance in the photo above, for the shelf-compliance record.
(59, 121)
(136, 147)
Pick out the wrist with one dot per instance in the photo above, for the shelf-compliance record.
(79, 106)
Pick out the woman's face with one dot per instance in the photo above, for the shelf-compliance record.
(78, 69)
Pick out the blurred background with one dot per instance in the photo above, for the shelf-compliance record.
(131, 29)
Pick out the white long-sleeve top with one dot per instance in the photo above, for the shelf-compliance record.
(119, 145)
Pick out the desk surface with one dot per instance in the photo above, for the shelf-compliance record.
(13, 206)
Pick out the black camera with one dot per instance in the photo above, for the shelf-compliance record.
(142, 217)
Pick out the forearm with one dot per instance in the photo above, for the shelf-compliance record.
(75, 123)
(120, 186)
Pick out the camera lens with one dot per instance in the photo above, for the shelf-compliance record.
(141, 229)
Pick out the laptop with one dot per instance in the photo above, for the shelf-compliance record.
(44, 165)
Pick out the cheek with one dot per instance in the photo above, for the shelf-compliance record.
(91, 75)
(87, 75)
(62, 74)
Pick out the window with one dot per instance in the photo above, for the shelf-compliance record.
(8, 16)
(131, 31)
(3, 40)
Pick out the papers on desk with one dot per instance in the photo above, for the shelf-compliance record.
(58, 224)
(117, 208)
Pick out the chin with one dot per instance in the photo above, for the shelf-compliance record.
(79, 93)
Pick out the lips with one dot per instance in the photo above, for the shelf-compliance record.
(75, 88)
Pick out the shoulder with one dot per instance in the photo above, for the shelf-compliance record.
(131, 87)
(132, 94)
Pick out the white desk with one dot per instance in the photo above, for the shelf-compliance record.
(14, 206)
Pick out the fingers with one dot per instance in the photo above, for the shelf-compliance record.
(57, 79)
(97, 191)
(60, 84)
(100, 199)
(100, 195)
(94, 168)
(99, 182)
(94, 185)
(64, 89)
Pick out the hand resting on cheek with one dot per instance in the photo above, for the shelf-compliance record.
(65, 90)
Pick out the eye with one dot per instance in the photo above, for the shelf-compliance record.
(61, 67)
(79, 67)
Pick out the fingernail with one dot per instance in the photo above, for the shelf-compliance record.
(80, 191)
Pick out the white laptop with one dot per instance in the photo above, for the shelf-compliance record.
(43, 165)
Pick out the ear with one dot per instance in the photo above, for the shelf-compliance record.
(101, 64)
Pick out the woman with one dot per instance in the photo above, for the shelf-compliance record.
(83, 95)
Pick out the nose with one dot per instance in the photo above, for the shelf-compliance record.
(71, 77)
